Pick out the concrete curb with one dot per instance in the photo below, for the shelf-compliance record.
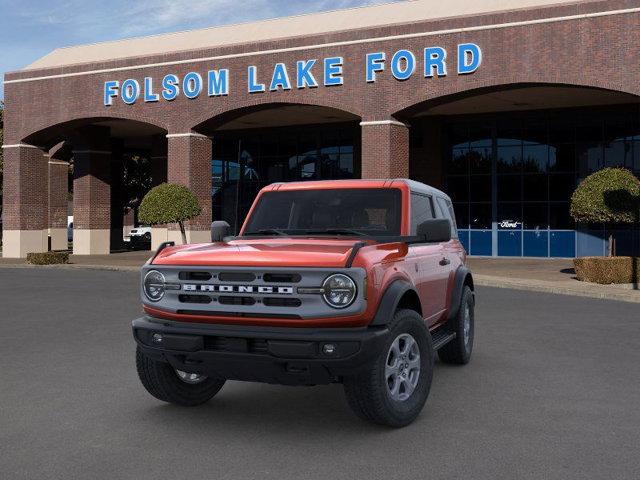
(74, 266)
(604, 292)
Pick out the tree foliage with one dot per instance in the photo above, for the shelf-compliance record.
(611, 195)
(136, 179)
(169, 203)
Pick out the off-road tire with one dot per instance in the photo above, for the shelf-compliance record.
(367, 393)
(161, 381)
(458, 351)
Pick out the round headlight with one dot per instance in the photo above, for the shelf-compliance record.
(339, 291)
(154, 285)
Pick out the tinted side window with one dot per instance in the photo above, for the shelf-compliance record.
(447, 210)
(421, 210)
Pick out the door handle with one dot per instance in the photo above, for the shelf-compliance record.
(445, 261)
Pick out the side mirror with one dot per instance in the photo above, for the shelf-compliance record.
(219, 230)
(435, 230)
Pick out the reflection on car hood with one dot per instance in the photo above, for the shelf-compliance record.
(269, 252)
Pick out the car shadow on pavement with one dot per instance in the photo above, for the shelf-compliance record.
(278, 409)
(250, 408)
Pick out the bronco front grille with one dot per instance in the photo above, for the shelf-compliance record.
(243, 292)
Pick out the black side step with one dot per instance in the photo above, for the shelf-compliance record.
(441, 338)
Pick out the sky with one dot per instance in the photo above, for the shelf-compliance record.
(29, 29)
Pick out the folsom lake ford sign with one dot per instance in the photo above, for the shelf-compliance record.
(309, 73)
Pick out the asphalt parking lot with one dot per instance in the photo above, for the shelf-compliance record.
(552, 392)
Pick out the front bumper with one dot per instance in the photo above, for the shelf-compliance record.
(289, 356)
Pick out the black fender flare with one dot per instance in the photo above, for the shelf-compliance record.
(389, 302)
(459, 281)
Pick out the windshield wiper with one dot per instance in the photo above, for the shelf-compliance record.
(336, 231)
(267, 231)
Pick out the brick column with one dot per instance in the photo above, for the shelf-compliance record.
(92, 192)
(385, 149)
(58, 191)
(189, 164)
(25, 212)
(159, 233)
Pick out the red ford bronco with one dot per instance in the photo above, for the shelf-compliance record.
(359, 282)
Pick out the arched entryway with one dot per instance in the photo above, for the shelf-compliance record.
(255, 146)
(89, 171)
(511, 156)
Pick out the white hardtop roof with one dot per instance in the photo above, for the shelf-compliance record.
(286, 27)
(413, 185)
(423, 188)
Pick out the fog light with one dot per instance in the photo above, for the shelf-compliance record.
(328, 349)
(157, 338)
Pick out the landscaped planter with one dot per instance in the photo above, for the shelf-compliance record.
(606, 270)
(48, 258)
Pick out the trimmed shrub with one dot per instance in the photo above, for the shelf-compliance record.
(169, 203)
(607, 270)
(48, 258)
(611, 195)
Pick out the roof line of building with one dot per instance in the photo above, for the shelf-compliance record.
(229, 25)
(331, 44)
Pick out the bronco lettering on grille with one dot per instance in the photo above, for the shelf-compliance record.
(260, 289)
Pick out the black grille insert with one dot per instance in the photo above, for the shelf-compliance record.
(197, 276)
(232, 344)
(282, 277)
(258, 345)
(236, 300)
(282, 302)
(236, 277)
(194, 298)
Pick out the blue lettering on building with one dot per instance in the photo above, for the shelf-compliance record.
(280, 78)
(170, 87)
(218, 83)
(305, 73)
(192, 85)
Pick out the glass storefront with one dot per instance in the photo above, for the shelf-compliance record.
(245, 161)
(511, 177)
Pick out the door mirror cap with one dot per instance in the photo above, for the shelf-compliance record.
(435, 230)
(219, 230)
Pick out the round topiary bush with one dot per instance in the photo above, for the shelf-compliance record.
(611, 195)
(169, 203)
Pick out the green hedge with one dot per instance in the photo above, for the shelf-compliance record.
(607, 270)
(48, 258)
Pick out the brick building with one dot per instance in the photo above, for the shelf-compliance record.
(504, 104)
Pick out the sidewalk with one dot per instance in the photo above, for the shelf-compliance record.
(128, 261)
(544, 275)
(538, 275)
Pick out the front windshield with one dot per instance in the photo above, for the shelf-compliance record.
(345, 211)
